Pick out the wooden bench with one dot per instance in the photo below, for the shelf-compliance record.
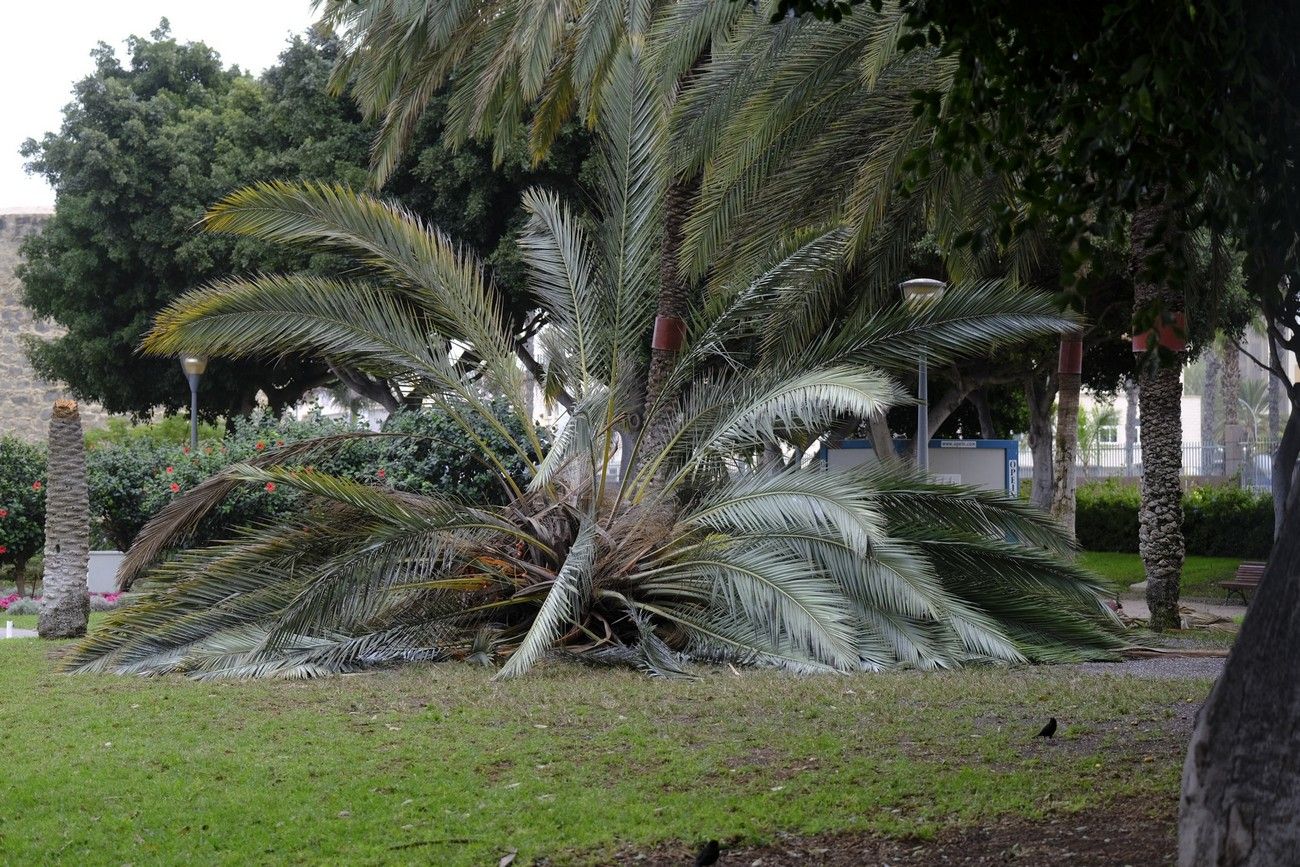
(1247, 578)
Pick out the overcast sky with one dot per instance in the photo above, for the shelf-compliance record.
(45, 46)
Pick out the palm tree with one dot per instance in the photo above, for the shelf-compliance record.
(1160, 391)
(65, 606)
(694, 552)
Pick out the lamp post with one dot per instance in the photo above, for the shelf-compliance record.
(918, 294)
(194, 366)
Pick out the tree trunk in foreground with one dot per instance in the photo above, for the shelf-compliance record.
(1039, 395)
(1241, 780)
(1284, 462)
(1067, 447)
(66, 603)
(1160, 532)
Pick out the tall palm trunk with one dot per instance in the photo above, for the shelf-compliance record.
(1160, 533)
(1231, 384)
(66, 604)
(1067, 444)
(1039, 394)
(670, 319)
(1130, 421)
(1210, 412)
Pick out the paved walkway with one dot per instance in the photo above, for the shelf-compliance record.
(1136, 606)
(18, 633)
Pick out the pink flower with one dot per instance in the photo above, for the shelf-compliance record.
(171, 469)
(36, 486)
(260, 445)
(382, 473)
(4, 513)
(270, 487)
(3, 550)
(185, 450)
(175, 487)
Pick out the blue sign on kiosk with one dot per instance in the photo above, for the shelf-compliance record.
(993, 465)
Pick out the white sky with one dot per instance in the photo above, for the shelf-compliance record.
(45, 46)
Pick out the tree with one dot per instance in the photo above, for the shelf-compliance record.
(65, 605)
(1103, 107)
(690, 553)
(22, 506)
(143, 148)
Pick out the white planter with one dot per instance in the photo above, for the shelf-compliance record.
(102, 577)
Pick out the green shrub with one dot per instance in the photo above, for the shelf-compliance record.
(171, 430)
(22, 504)
(134, 477)
(1218, 520)
(1227, 521)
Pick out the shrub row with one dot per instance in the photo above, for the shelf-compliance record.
(1218, 520)
(133, 473)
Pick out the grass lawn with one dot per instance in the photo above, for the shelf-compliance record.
(1201, 575)
(437, 764)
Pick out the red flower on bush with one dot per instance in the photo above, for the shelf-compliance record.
(279, 442)
(270, 487)
(185, 450)
(3, 550)
(382, 473)
(175, 487)
(171, 469)
(36, 486)
(4, 513)
(260, 445)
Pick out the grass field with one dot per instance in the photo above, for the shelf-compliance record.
(437, 764)
(1200, 574)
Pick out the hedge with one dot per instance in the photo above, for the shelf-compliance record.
(1218, 520)
(134, 471)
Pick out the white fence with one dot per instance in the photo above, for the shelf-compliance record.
(1254, 464)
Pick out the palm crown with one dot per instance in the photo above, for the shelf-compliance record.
(715, 542)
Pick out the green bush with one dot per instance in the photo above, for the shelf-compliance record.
(22, 504)
(1218, 520)
(133, 477)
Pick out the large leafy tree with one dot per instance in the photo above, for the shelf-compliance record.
(122, 243)
(143, 147)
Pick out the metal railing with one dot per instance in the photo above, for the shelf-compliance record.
(1253, 463)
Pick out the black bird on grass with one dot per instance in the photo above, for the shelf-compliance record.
(1049, 729)
(708, 855)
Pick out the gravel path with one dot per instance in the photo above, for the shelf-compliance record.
(18, 633)
(1158, 668)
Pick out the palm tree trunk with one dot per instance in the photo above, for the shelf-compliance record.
(66, 604)
(670, 320)
(20, 577)
(1210, 411)
(1160, 533)
(1039, 394)
(1231, 384)
(1130, 421)
(1067, 447)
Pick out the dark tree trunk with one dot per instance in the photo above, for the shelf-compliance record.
(980, 400)
(1039, 394)
(1241, 782)
(1067, 447)
(20, 577)
(1160, 533)
(1274, 396)
(1284, 462)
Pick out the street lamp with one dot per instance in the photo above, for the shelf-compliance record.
(918, 294)
(194, 365)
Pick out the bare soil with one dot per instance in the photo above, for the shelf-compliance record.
(1132, 832)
